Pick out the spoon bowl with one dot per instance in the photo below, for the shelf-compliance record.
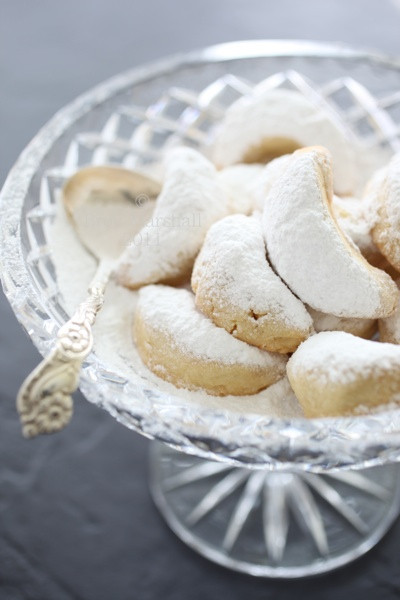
(107, 206)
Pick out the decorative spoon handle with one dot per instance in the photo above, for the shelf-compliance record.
(44, 400)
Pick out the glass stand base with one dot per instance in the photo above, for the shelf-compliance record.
(271, 524)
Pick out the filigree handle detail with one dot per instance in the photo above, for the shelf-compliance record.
(44, 401)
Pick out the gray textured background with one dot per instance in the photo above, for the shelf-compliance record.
(76, 520)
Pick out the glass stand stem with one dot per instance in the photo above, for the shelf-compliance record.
(273, 524)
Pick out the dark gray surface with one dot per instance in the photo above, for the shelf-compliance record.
(76, 519)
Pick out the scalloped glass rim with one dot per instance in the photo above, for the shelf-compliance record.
(257, 441)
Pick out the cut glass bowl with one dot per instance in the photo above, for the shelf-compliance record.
(130, 120)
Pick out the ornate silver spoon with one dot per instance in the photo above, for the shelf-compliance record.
(99, 200)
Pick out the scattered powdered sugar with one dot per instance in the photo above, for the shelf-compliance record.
(191, 200)
(279, 114)
(74, 265)
(309, 251)
(173, 312)
(338, 357)
(233, 265)
(112, 331)
(362, 410)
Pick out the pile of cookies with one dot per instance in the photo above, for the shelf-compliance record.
(260, 263)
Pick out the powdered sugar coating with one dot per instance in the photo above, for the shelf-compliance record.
(190, 201)
(282, 114)
(233, 268)
(386, 190)
(270, 174)
(113, 334)
(173, 311)
(240, 185)
(361, 327)
(308, 250)
(335, 357)
(371, 195)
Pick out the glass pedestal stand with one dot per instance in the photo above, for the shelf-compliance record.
(273, 524)
(263, 522)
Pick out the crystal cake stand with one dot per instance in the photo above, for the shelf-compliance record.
(270, 497)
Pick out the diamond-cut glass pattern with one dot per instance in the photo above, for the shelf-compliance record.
(171, 106)
(135, 136)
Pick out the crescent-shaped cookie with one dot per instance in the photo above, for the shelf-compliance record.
(309, 250)
(236, 288)
(335, 373)
(190, 201)
(240, 185)
(181, 345)
(270, 174)
(364, 328)
(353, 218)
(270, 122)
(385, 192)
(389, 328)
(352, 214)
